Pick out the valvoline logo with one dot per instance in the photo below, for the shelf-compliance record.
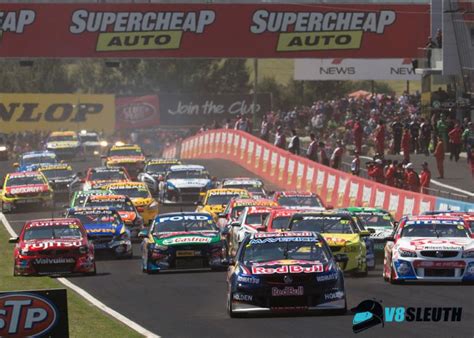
(26, 315)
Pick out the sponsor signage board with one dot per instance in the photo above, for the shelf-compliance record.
(355, 69)
(213, 30)
(137, 112)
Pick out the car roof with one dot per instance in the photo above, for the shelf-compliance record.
(63, 133)
(163, 161)
(37, 154)
(184, 213)
(57, 166)
(52, 222)
(295, 193)
(183, 167)
(25, 174)
(284, 234)
(226, 191)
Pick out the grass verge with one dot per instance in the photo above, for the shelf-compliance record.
(85, 320)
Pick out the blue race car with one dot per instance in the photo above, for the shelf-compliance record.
(33, 160)
(285, 272)
(186, 240)
(105, 229)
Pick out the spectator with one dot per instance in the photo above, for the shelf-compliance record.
(336, 157)
(430, 44)
(355, 164)
(390, 173)
(468, 139)
(425, 178)
(439, 38)
(294, 144)
(425, 136)
(265, 129)
(414, 133)
(280, 138)
(227, 124)
(380, 138)
(412, 181)
(242, 124)
(357, 134)
(397, 131)
(439, 155)
(406, 142)
(312, 151)
(375, 171)
(322, 154)
(455, 142)
(400, 177)
(442, 129)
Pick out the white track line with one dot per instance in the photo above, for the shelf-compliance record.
(83, 293)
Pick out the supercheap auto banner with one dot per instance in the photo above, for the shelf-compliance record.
(137, 112)
(49, 112)
(288, 171)
(213, 30)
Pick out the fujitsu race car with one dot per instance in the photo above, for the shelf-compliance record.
(279, 219)
(51, 247)
(216, 200)
(254, 186)
(98, 177)
(283, 272)
(299, 200)
(128, 156)
(105, 229)
(61, 178)
(124, 206)
(65, 144)
(430, 249)
(22, 189)
(186, 240)
(251, 220)
(155, 168)
(32, 160)
(185, 183)
(92, 143)
(236, 205)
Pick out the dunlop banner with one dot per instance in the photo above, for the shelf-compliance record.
(21, 112)
(214, 30)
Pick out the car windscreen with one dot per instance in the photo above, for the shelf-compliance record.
(89, 138)
(96, 218)
(61, 138)
(249, 187)
(434, 230)
(280, 222)
(53, 232)
(131, 192)
(371, 221)
(186, 174)
(107, 175)
(24, 180)
(323, 224)
(296, 201)
(184, 223)
(158, 167)
(125, 152)
(220, 199)
(256, 219)
(58, 173)
(38, 159)
(274, 249)
(117, 205)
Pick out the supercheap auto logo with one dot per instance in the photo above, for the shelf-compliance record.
(309, 31)
(370, 313)
(15, 21)
(131, 31)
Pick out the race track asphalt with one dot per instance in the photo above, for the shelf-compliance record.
(192, 304)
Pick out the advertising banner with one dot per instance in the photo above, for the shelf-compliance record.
(197, 109)
(214, 30)
(137, 112)
(355, 69)
(49, 112)
(34, 313)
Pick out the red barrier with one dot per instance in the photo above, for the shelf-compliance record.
(290, 172)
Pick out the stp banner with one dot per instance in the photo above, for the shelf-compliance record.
(214, 30)
(196, 109)
(137, 112)
(49, 112)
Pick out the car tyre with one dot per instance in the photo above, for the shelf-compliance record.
(392, 279)
(230, 311)
(93, 272)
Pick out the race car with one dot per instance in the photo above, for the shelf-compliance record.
(123, 205)
(4, 148)
(285, 272)
(105, 229)
(216, 200)
(128, 156)
(185, 183)
(237, 205)
(141, 198)
(378, 222)
(65, 144)
(254, 186)
(22, 189)
(61, 178)
(155, 168)
(299, 200)
(186, 240)
(340, 232)
(91, 142)
(53, 247)
(279, 219)
(430, 249)
(32, 160)
(251, 220)
(98, 177)
(467, 216)
(79, 197)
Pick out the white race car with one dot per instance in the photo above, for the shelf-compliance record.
(185, 183)
(253, 185)
(430, 248)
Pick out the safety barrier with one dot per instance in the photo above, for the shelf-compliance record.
(292, 172)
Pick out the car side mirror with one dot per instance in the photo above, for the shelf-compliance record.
(341, 258)
(14, 240)
(371, 230)
(143, 233)
(365, 233)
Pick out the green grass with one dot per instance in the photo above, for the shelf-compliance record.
(282, 71)
(85, 320)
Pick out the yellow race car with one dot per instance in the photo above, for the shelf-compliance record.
(65, 144)
(129, 156)
(140, 196)
(340, 232)
(216, 200)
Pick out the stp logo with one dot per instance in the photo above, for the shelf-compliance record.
(25, 315)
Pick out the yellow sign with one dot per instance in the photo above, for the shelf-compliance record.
(50, 112)
(139, 41)
(292, 42)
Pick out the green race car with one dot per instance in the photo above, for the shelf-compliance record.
(80, 197)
